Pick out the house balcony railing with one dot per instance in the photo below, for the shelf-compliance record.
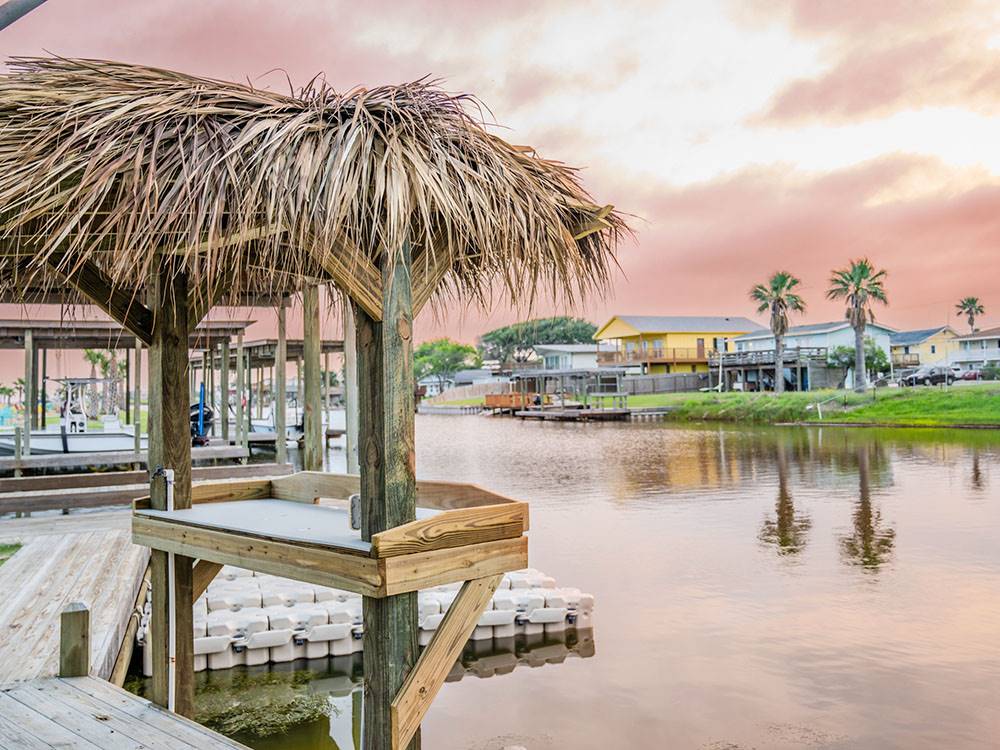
(906, 360)
(655, 355)
(802, 355)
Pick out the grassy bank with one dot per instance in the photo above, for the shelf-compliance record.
(922, 406)
(7, 551)
(963, 405)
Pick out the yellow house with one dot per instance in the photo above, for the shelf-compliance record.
(671, 343)
(928, 346)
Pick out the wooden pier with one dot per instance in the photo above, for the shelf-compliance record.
(91, 714)
(62, 562)
(558, 414)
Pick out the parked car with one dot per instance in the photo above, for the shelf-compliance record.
(930, 376)
(972, 375)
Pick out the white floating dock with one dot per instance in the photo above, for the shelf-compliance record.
(248, 619)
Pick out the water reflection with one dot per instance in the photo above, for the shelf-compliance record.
(881, 633)
(870, 544)
(788, 530)
(317, 704)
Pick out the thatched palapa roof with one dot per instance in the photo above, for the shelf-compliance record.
(110, 165)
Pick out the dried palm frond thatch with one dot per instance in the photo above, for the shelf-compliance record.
(112, 164)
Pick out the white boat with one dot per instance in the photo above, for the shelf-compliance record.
(95, 441)
(72, 434)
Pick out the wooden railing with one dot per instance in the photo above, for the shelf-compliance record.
(655, 354)
(766, 357)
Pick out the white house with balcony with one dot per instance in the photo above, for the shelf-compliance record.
(979, 349)
(570, 356)
(817, 336)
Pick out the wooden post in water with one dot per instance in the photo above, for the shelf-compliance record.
(74, 641)
(326, 399)
(34, 387)
(224, 391)
(29, 386)
(351, 388)
(44, 391)
(137, 401)
(241, 375)
(278, 389)
(312, 454)
(388, 487)
(170, 448)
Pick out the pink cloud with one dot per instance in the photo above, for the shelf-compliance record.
(883, 57)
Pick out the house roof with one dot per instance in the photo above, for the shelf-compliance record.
(908, 338)
(810, 328)
(686, 324)
(572, 348)
(472, 374)
(986, 333)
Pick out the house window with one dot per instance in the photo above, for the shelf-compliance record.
(933, 349)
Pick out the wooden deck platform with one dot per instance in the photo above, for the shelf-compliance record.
(575, 415)
(88, 713)
(60, 563)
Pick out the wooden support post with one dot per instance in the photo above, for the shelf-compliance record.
(44, 391)
(224, 391)
(388, 488)
(260, 391)
(326, 397)
(351, 388)
(312, 455)
(278, 389)
(210, 395)
(29, 386)
(137, 400)
(74, 641)
(426, 678)
(170, 448)
(248, 415)
(299, 391)
(241, 375)
(128, 387)
(34, 387)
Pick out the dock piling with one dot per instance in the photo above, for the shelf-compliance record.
(74, 641)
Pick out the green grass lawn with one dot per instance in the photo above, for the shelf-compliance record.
(974, 405)
(965, 405)
(7, 551)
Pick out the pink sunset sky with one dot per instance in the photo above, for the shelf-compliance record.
(744, 137)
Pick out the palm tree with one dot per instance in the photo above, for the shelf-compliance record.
(970, 307)
(859, 285)
(96, 359)
(777, 295)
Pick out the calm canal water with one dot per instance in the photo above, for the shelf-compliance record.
(755, 588)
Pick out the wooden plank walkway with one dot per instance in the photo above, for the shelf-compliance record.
(88, 713)
(111, 458)
(58, 564)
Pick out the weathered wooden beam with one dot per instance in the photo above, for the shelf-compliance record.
(170, 448)
(455, 528)
(324, 567)
(124, 307)
(428, 675)
(423, 570)
(205, 572)
(278, 388)
(313, 440)
(388, 486)
(74, 641)
(359, 278)
(120, 669)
